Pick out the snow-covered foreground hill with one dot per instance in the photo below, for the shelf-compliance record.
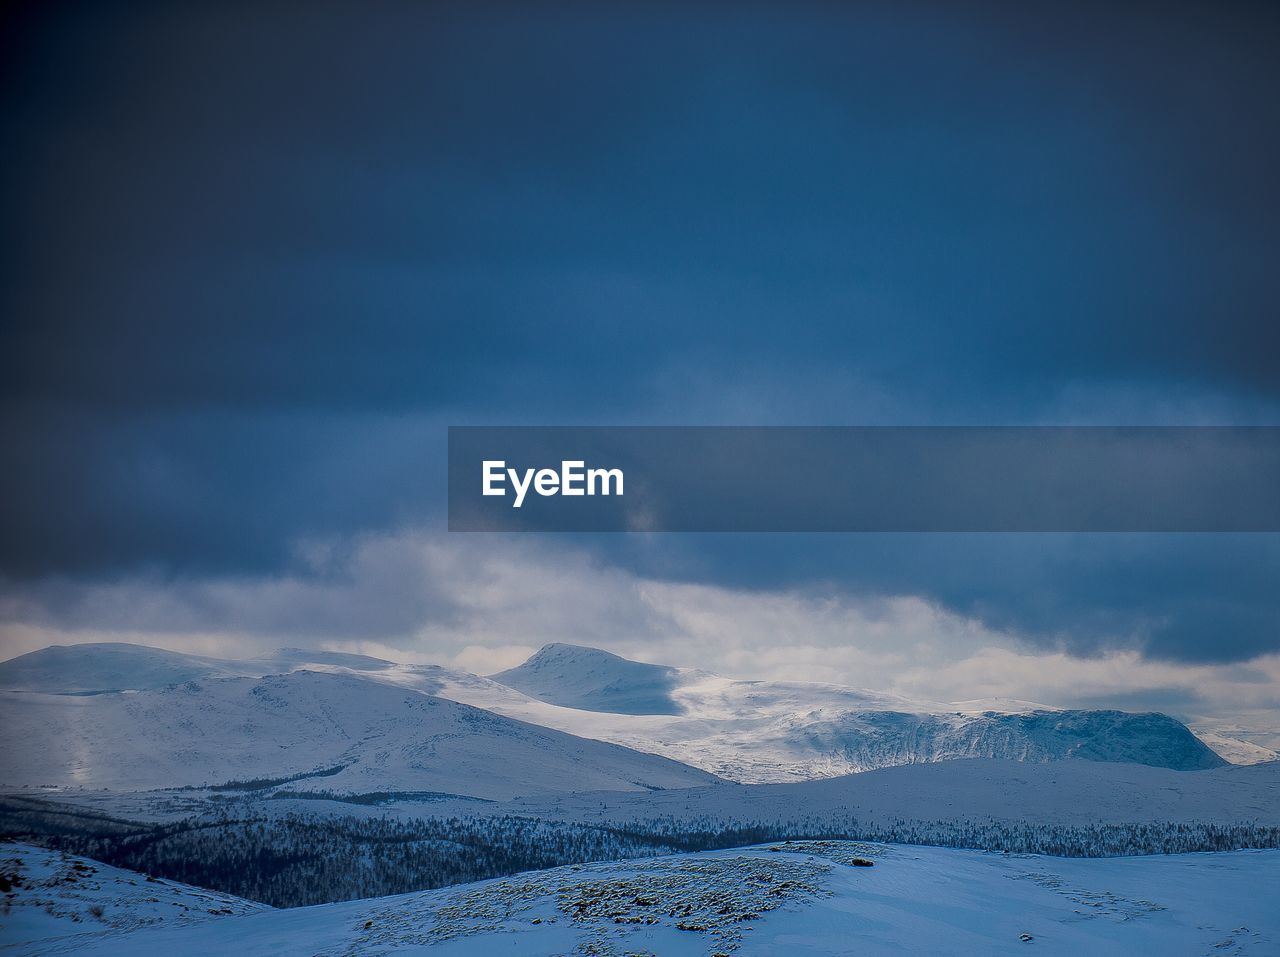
(337, 732)
(46, 895)
(815, 898)
(746, 731)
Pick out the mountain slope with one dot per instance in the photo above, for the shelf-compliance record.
(1060, 793)
(1234, 749)
(335, 732)
(51, 896)
(592, 680)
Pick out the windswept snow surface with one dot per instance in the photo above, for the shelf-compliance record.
(335, 732)
(802, 898)
(1235, 749)
(47, 895)
(745, 731)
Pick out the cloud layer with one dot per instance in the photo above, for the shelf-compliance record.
(484, 604)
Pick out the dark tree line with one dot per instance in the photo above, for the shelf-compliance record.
(311, 858)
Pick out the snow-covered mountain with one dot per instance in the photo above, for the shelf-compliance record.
(337, 732)
(102, 667)
(745, 731)
(758, 731)
(802, 897)
(106, 666)
(1234, 745)
(592, 680)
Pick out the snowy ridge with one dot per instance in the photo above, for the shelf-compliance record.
(306, 731)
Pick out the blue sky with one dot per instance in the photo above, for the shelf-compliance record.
(256, 260)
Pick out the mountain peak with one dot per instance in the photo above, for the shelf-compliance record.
(340, 659)
(563, 651)
(591, 679)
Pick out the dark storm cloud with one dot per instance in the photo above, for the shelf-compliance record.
(1193, 597)
(428, 206)
(213, 491)
(255, 258)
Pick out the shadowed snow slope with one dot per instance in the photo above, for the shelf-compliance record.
(54, 896)
(1071, 793)
(805, 898)
(338, 732)
(594, 680)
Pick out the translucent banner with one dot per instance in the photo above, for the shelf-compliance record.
(864, 479)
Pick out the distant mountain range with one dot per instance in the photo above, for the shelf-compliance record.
(771, 731)
(569, 719)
